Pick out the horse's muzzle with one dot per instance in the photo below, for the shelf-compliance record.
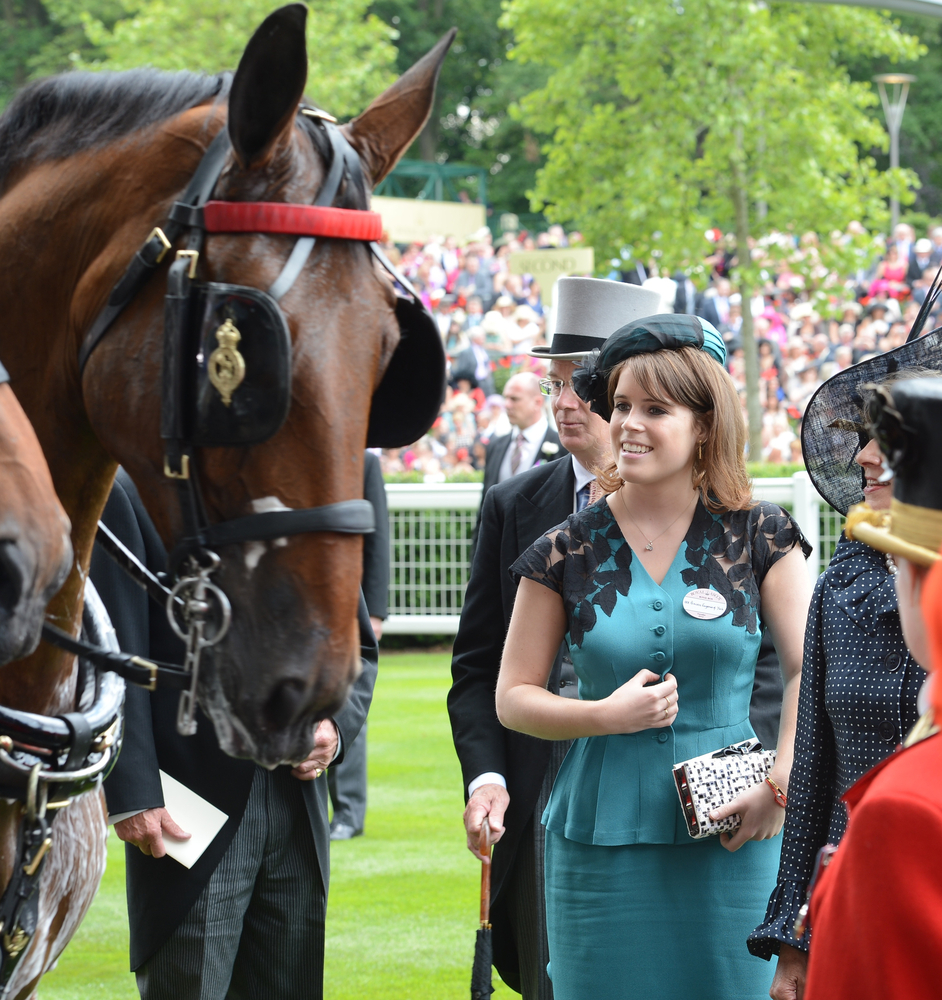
(265, 703)
(23, 598)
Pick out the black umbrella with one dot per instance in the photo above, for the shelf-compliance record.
(481, 985)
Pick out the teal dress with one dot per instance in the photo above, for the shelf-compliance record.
(635, 907)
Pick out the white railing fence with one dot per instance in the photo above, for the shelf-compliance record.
(430, 528)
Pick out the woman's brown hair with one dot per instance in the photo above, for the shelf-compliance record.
(689, 377)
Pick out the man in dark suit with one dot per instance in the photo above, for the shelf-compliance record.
(247, 920)
(920, 259)
(346, 780)
(474, 363)
(532, 441)
(508, 776)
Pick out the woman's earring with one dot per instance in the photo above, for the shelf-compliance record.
(700, 451)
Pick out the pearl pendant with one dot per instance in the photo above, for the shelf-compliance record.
(650, 547)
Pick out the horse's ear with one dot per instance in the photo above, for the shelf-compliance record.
(386, 129)
(268, 85)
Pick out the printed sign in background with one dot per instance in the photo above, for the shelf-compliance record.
(417, 220)
(547, 266)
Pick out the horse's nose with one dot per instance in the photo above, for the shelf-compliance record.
(285, 703)
(12, 577)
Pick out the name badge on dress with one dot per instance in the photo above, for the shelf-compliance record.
(704, 604)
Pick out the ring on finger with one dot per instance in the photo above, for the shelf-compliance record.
(318, 772)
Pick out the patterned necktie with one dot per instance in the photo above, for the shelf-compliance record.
(588, 495)
(517, 453)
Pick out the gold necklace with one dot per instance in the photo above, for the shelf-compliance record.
(650, 546)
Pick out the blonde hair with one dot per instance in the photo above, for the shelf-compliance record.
(689, 377)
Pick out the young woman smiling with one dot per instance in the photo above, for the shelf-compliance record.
(635, 908)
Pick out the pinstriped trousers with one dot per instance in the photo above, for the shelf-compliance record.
(256, 932)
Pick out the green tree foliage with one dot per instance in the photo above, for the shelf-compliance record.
(920, 136)
(478, 83)
(667, 119)
(351, 54)
(28, 30)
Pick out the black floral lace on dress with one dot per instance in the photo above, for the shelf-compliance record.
(587, 561)
(732, 552)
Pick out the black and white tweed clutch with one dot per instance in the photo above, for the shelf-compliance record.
(707, 782)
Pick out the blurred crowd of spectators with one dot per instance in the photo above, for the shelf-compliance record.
(489, 318)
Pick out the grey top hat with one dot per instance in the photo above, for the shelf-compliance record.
(589, 311)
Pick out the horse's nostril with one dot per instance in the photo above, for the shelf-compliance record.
(11, 576)
(285, 703)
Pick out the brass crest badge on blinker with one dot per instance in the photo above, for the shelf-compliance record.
(226, 364)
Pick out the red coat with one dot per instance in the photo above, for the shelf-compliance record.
(877, 909)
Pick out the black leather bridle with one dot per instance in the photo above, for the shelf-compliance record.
(197, 608)
(348, 516)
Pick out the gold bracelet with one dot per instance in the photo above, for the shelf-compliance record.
(781, 799)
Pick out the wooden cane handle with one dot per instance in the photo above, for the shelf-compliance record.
(484, 846)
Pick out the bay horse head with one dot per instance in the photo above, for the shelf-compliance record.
(35, 550)
(104, 158)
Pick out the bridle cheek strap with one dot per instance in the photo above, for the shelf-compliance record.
(291, 220)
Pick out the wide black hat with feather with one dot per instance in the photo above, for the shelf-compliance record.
(834, 430)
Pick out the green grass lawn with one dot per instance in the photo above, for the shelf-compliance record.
(403, 898)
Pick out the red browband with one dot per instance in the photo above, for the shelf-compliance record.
(295, 220)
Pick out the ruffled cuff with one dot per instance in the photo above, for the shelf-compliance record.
(779, 926)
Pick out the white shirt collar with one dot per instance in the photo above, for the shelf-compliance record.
(582, 474)
(535, 432)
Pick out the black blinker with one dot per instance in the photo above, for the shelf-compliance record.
(407, 400)
(241, 366)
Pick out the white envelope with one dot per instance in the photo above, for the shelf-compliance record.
(198, 817)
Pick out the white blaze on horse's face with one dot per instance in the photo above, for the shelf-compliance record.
(253, 551)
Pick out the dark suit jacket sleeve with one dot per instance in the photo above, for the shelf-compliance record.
(349, 720)
(376, 546)
(480, 739)
(765, 708)
(811, 790)
(493, 457)
(134, 783)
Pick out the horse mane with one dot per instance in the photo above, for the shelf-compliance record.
(60, 116)
(63, 115)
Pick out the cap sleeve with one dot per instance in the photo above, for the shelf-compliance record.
(774, 534)
(544, 561)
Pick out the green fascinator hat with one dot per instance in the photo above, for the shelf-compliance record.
(663, 332)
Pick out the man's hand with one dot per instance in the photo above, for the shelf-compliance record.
(146, 830)
(326, 742)
(377, 624)
(488, 803)
(790, 973)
